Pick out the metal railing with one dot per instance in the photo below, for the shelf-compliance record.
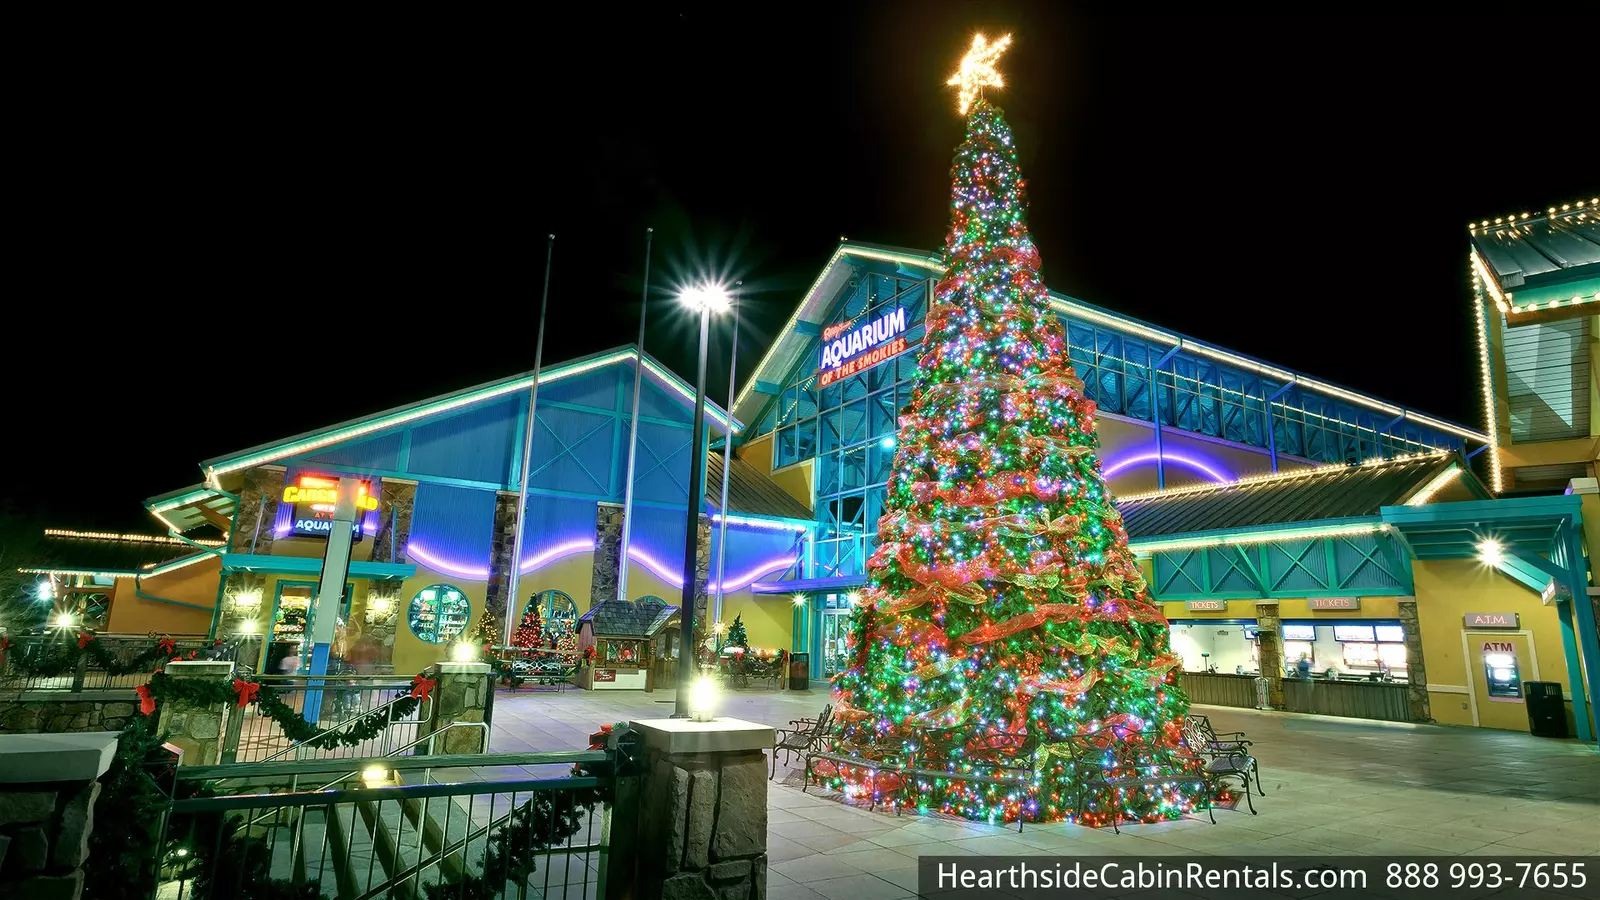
(52, 662)
(417, 827)
(253, 737)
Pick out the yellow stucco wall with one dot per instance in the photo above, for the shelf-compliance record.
(196, 584)
(412, 655)
(1446, 591)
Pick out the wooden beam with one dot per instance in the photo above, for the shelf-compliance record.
(222, 522)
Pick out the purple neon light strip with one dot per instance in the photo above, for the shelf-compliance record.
(1189, 461)
(559, 551)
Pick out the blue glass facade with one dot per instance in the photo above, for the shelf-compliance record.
(848, 426)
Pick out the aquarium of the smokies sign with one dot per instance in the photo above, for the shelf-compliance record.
(853, 346)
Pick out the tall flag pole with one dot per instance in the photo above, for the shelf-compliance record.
(527, 450)
(727, 460)
(633, 427)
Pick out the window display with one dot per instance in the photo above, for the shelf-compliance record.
(1353, 633)
(438, 613)
(1299, 632)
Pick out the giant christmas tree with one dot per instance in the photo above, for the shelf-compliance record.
(1004, 611)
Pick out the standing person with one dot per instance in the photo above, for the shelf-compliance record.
(1303, 666)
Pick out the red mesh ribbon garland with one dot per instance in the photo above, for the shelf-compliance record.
(147, 703)
(421, 687)
(84, 638)
(247, 691)
(1069, 686)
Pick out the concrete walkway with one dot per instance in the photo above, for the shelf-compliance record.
(1334, 787)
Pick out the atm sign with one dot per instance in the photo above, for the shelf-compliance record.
(1490, 620)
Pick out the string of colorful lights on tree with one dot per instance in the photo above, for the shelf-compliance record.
(1004, 612)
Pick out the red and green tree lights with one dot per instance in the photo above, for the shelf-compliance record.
(1003, 602)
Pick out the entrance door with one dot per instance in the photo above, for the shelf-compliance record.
(1498, 663)
(835, 630)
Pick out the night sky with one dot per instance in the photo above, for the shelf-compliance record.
(225, 251)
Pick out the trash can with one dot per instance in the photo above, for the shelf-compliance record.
(799, 671)
(1547, 712)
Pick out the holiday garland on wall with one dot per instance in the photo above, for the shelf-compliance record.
(53, 659)
(1003, 602)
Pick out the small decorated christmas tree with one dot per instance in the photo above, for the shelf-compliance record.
(530, 632)
(1005, 616)
(736, 634)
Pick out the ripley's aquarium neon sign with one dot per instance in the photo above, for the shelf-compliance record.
(847, 350)
(313, 498)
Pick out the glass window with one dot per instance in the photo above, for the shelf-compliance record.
(1353, 633)
(558, 615)
(438, 613)
(1391, 633)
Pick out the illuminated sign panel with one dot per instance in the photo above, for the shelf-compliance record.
(848, 349)
(313, 498)
(1333, 603)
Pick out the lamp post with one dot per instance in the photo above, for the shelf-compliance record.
(705, 300)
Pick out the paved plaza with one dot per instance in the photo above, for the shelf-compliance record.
(1334, 786)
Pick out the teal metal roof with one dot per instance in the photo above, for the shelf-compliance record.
(1311, 495)
(1530, 251)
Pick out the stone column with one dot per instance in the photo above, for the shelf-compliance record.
(1269, 640)
(502, 544)
(1416, 672)
(462, 696)
(197, 730)
(48, 788)
(607, 553)
(382, 613)
(703, 823)
(258, 512)
(702, 579)
(244, 600)
(394, 521)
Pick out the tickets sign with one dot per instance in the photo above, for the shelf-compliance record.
(851, 347)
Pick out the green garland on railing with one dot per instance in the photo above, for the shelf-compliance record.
(247, 691)
(50, 661)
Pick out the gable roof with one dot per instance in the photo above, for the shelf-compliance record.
(352, 428)
(1307, 495)
(795, 340)
(628, 618)
(750, 492)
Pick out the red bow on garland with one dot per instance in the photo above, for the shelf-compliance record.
(5, 643)
(422, 687)
(167, 646)
(147, 703)
(246, 690)
(84, 638)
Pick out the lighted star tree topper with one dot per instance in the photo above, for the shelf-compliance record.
(1004, 616)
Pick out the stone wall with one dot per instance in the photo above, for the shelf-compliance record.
(68, 713)
(1269, 641)
(48, 790)
(607, 553)
(502, 544)
(1416, 668)
(196, 730)
(708, 813)
(394, 521)
(258, 511)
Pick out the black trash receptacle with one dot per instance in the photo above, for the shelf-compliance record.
(799, 671)
(1547, 712)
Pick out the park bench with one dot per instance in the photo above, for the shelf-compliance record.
(856, 761)
(1227, 755)
(803, 736)
(1135, 760)
(744, 669)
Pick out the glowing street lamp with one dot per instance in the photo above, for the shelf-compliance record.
(1490, 552)
(704, 299)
